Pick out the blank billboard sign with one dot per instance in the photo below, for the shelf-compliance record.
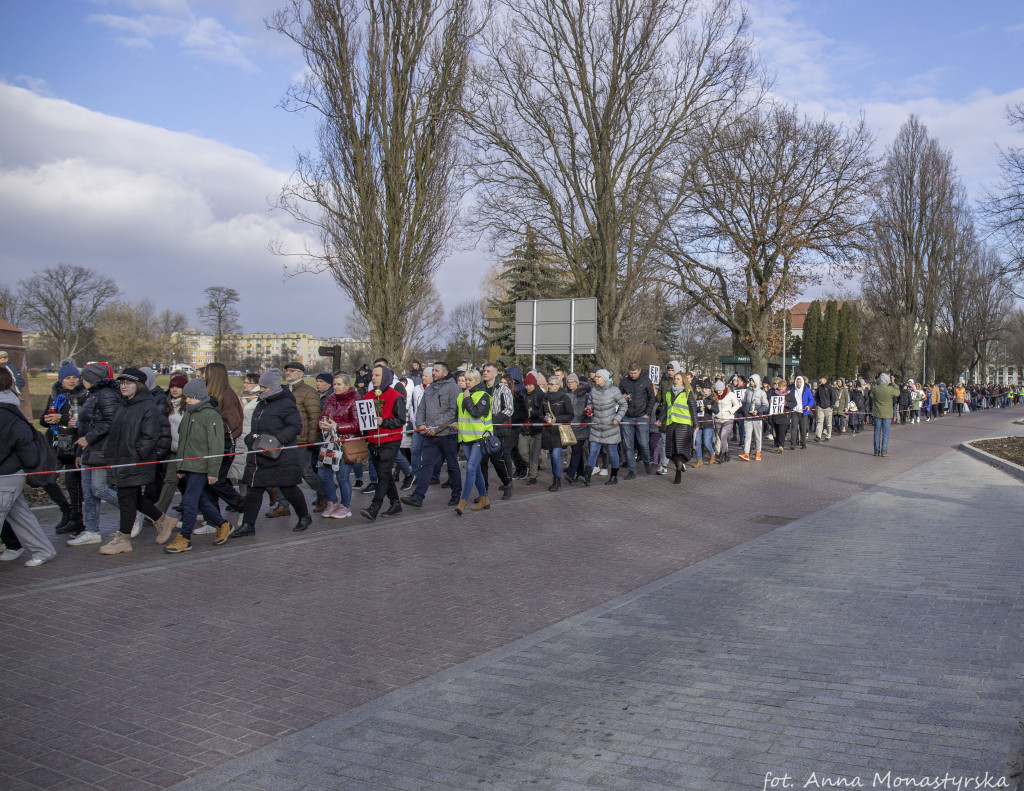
(556, 326)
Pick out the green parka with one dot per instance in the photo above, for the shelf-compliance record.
(201, 433)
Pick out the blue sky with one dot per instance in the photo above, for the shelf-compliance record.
(143, 138)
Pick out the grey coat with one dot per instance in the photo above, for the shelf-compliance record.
(439, 406)
(608, 404)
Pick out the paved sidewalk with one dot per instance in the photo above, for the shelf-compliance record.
(142, 670)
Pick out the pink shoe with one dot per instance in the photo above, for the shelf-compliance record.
(328, 512)
(340, 512)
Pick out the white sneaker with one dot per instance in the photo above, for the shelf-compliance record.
(11, 554)
(602, 471)
(662, 470)
(137, 527)
(204, 530)
(40, 561)
(86, 537)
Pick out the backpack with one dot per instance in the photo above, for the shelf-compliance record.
(47, 466)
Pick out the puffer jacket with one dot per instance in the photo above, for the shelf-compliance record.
(76, 396)
(279, 417)
(607, 404)
(201, 433)
(755, 400)
(342, 410)
(308, 403)
(96, 416)
(534, 414)
(135, 436)
(728, 405)
(18, 450)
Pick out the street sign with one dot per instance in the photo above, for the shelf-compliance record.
(556, 326)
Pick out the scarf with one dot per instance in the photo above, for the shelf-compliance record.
(194, 407)
(677, 389)
(272, 392)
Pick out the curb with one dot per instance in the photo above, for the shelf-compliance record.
(1006, 466)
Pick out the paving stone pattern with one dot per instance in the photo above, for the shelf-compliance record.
(139, 671)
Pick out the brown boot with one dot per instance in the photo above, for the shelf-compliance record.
(698, 464)
(222, 534)
(321, 504)
(164, 527)
(483, 505)
(118, 543)
(281, 510)
(712, 459)
(460, 509)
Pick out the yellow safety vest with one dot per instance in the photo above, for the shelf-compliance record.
(678, 411)
(473, 428)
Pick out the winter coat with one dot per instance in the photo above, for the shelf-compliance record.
(439, 407)
(755, 400)
(807, 400)
(728, 405)
(308, 403)
(825, 396)
(137, 434)
(607, 404)
(842, 399)
(639, 394)
(882, 396)
(788, 404)
(859, 399)
(579, 406)
(95, 417)
(201, 433)
(279, 417)
(342, 410)
(17, 445)
(679, 437)
(559, 404)
(502, 407)
(76, 396)
(533, 402)
(705, 408)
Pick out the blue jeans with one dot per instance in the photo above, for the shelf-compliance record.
(416, 451)
(705, 438)
(434, 448)
(882, 425)
(344, 483)
(94, 489)
(642, 433)
(474, 453)
(403, 463)
(595, 451)
(556, 463)
(193, 500)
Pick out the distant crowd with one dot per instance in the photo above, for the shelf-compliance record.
(178, 460)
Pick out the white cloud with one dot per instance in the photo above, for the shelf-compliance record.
(166, 214)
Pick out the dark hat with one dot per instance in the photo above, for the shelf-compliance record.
(132, 375)
(196, 389)
(179, 381)
(67, 370)
(94, 372)
(296, 365)
(325, 376)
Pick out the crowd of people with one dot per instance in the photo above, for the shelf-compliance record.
(120, 439)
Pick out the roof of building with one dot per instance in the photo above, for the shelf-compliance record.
(798, 313)
(7, 327)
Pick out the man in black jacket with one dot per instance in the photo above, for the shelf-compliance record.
(639, 394)
(825, 400)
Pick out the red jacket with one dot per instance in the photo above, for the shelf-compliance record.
(390, 409)
(342, 410)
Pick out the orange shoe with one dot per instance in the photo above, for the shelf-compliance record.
(757, 457)
(744, 457)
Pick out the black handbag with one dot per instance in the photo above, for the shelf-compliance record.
(491, 444)
(267, 444)
(64, 446)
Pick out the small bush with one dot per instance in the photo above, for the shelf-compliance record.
(33, 372)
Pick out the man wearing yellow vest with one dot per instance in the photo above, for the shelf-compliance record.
(676, 413)
(474, 411)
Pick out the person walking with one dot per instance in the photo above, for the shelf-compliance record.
(200, 441)
(705, 410)
(530, 436)
(825, 401)
(578, 397)
(638, 390)
(883, 395)
(308, 403)
(226, 401)
(19, 453)
(728, 406)
(60, 420)
(557, 408)
(340, 422)
(437, 422)
(474, 418)
(755, 406)
(606, 408)
(140, 435)
(802, 406)
(275, 421)
(677, 413)
(384, 440)
(502, 407)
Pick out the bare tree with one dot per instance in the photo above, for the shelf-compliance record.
(10, 308)
(917, 227)
(991, 300)
(168, 325)
(126, 333)
(220, 317)
(777, 200)
(63, 304)
(467, 330)
(1004, 206)
(386, 78)
(585, 118)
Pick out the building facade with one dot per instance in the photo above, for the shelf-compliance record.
(263, 348)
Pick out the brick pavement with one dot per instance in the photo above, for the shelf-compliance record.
(138, 671)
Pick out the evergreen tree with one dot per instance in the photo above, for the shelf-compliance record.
(828, 340)
(852, 359)
(528, 273)
(843, 341)
(809, 347)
